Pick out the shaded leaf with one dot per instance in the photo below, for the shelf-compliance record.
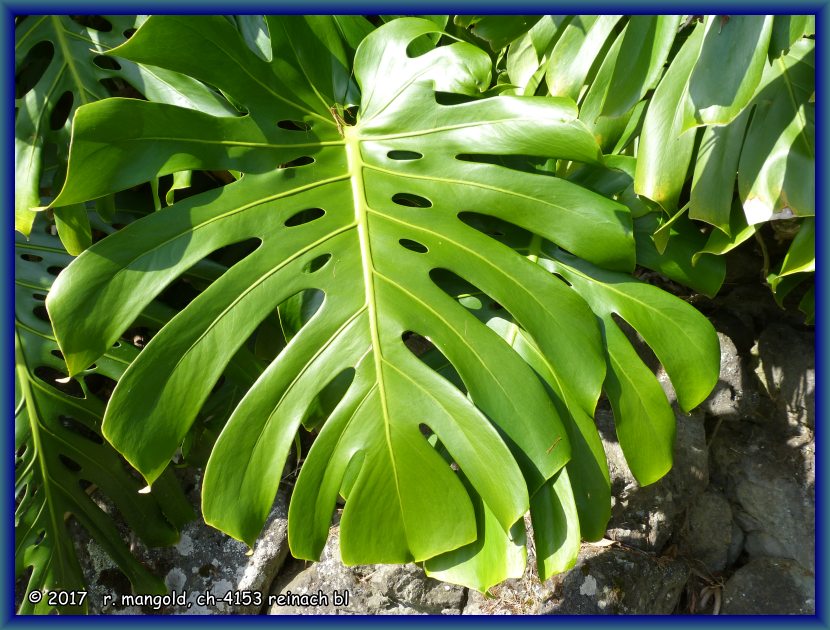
(777, 169)
(732, 59)
(62, 458)
(646, 43)
(575, 52)
(665, 150)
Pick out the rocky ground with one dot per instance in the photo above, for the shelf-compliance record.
(729, 530)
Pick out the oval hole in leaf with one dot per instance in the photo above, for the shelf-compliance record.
(431, 356)
(294, 125)
(303, 160)
(39, 297)
(107, 63)
(304, 216)
(413, 246)
(70, 463)
(54, 270)
(83, 484)
(100, 386)
(411, 201)
(57, 353)
(40, 536)
(60, 112)
(130, 32)
(502, 231)
(231, 254)
(42, 314)
(404, 155)
(33, 67)
(317, 264)
(451, 98)
(416, 344)
(31, 257)
(79, 428)
(59, 381)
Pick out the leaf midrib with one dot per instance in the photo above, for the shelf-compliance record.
(361, 210)
(34, 424)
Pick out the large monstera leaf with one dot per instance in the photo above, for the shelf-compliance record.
(62, 458)
(369, 214)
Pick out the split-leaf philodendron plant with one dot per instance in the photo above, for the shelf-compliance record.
(377, 175)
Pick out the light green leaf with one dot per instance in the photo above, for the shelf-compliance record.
(392, 191)
(495, 556)
(720, 243)
(681, 338)
(732, 59)
(73, 228)
(776, 175)
(683, 258)
(646, 43)
(575, 52)
(801, 255)
(555, 526)
(72, 77)
(665, 150)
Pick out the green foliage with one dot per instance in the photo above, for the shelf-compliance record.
(62, 461)
(424, 252)
(733, 107)
(371, 214)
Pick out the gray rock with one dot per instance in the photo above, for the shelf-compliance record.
(736, 546)
(772, 498)
(770, 586)
(645, 517)
(734, 394)
(204, 563)
(615, 580)
(364, 590)
(707, 535)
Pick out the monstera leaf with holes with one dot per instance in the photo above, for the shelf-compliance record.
(61, 457)
(373, 210)
(58, 68)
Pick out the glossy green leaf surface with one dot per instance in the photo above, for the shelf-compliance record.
(61, 457)
(801, 255)
(575, 52)
(665, 149)
(732, 59)
(644, 421)
(73, 76)
(777, 177)
(646, 44)
(365, 213)
(713, 182)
